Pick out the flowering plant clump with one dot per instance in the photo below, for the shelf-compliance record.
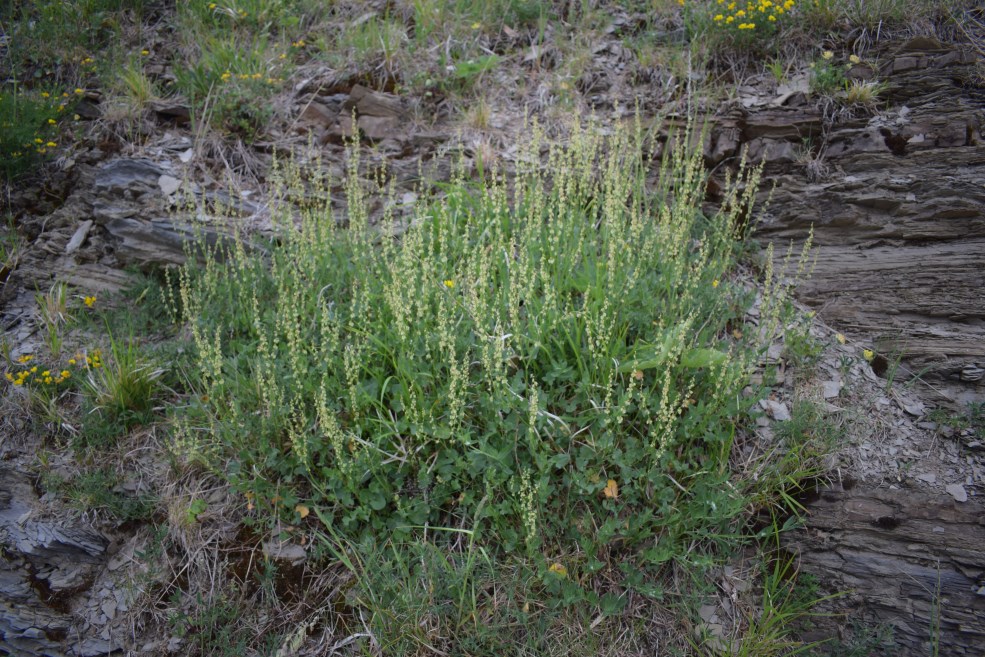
(752, 14)
(28, 121)
(828, 74)
(30, 373)
(742, 23)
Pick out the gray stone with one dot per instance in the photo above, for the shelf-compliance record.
(958, 492)
(168, 184)
(79, 237)
(777, 410)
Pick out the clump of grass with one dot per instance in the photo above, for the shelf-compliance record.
(124, 387)
(865, 94)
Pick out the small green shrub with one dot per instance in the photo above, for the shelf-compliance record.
(28, 122)
(54, 40)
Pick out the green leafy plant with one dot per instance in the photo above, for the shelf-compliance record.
(548, 363)
(827, 77)
(466, 74)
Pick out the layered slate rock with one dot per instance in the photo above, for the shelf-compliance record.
(896, 199)
(48, 564)
(915, 561)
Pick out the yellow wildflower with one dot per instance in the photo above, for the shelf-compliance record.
(714, 283)
(558, 570)
(854, 59)
(827, 54)
(449, 284)
(840, 338)
(90, 301)
(868, 355)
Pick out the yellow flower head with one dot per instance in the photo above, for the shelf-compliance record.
(558, 570)
(714, 283)
(449, 284)
(840, 337)
(827, 54)
(854, 59)
(90, 301)
(868, 355)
